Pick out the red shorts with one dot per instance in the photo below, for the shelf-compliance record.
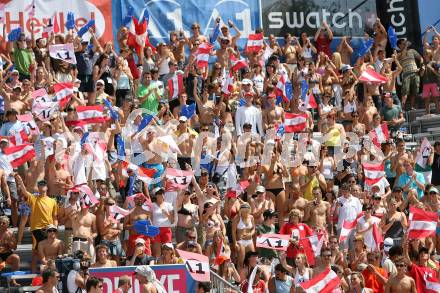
(430, 90)
(131, 244)
(165, 236)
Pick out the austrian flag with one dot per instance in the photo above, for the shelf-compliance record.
(175, 85)
(20, 154)
(379, 135)
(202, 55)
(63, 93)
(422, 224)
(295, 122)
(90, 114)
(325, 282)
(254, 43)
(373, 173)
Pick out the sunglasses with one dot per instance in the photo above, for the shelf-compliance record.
(52, 231)
(326, 255)
(432, 192)
(400, 265)
(209, 186)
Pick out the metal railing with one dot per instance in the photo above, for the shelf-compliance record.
(220, 285)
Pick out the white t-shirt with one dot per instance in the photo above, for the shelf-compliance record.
(349, 210)
(71, 285)
(159, 219)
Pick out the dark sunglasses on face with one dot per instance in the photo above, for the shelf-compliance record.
(52, 231)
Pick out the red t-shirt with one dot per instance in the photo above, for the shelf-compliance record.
(420, 274)
(301, 231)
(323, 45)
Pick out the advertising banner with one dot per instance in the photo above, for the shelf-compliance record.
(175, 278)
(15, 14)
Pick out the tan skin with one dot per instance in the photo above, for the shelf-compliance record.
(357, 286)
(398, 159)
(367, 111)
(401, 283)
(218, 240)
(50, 285)
(160, 201)
(274, 180)
(84, 225)
(7, 244)
(50, 248)
(317, 213)
(146, 286)
(259, 204)
(243, 234)
(358, 255)
(102, 259)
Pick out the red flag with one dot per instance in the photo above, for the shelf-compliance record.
(56, 27)
(373, 173)
(369, 75)
(63, 93)
(175, 85)
(18, 155)
(91, 114)
(294, 122)
(254, 43)
(202, 54)
(138, 36)
(379, 135)
(378, 238)
(237, 64)
(422, 224)
(325, 282)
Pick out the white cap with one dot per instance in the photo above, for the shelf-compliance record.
(183, 118)
(168, 245)
(246, 81)
(139, 240)
(4, 139)
(100, 81)
(387, 244)
(260, 189)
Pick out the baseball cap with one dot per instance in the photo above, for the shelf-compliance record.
(387, 244)
(100, 81)
(312, 163)
(158, 189)
(246, 81)
(42, 183)
(345, 67)
(139, 241)
(51, 226)
(183, 118)
(397, 189)
(145, 271)
(260, 189)
(168, 245)
(433, 190)
(269, 213)
(4, 139)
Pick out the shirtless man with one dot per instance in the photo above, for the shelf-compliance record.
(109, 230)
(84, 231)
(380, 37)
(197, 35)
(401, 283)
(185, 138)
(151, 145)
(66, 214)
(12, 100)
(102, 258)
(177, 47)
(136, 214)
(399, 158)
(226, 34)
(224, 52)
(345, 50)
(261, 203)
(317, 214)
(7, 244)
(391, 75)
(51, 247)
(296, 201)
(50, 281)
(272, 115)
(435, 47)
(367, 112)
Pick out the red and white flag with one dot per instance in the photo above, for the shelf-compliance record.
(64, 52)
(379, 135)
(175, 86)
(281, 89)
(422, 223)
(325, 282)
(373, 173)
(143, 174)
(91, 114)
(311, 247)
(255, 43)
(237, 64)
(432, 286)
(202, 54)
(19, 137)
(369, 75)
(347, 227)
(87, 195)
(138, 35)
(20, 154)
(63, 93)
(177, 179)
(117, 212)
(377, 237)
(294, 122)
(228, 83)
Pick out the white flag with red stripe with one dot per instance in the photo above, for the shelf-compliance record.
(228, 82)
(90, 114)
(20, 154)
(432, 286)
(347, 227)
(63, 93)
(175, 86)
(373, 173)
(117, 212)
(294, 122)
(379, 135)
(422, 223)
(202, 54)
(377, 238)
(369, 75)
(143, 174)
(237, 64)
(325, 282)
(254, 43)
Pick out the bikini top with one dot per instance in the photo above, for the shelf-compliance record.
(241, 225)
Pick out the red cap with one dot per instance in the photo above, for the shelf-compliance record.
(231, 194)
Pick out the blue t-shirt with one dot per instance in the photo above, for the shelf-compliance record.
(405, 178)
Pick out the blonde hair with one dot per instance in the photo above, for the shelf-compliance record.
(303, 258)
(337, 60)
(361, 278)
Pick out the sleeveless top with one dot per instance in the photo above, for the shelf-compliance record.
(308, 191)
(283, 286)
(335, 137)
(301, 278)
(327, 169)
(395, 231)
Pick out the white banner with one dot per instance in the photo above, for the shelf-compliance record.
(63, 52)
